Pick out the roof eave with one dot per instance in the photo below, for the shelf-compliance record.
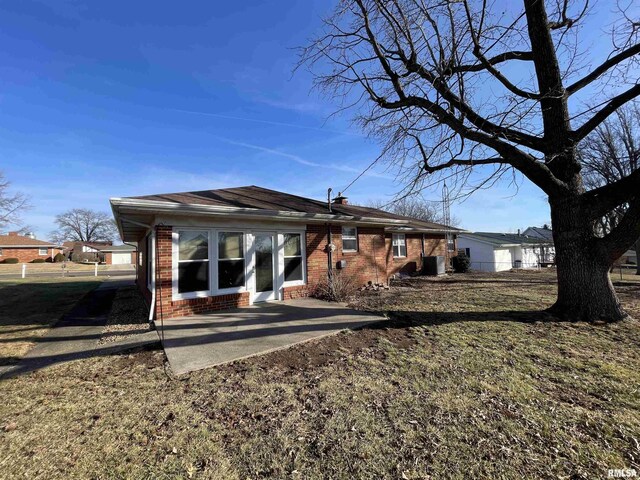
(154, 206)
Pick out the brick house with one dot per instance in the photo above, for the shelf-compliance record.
(26, 248)
(217, 249)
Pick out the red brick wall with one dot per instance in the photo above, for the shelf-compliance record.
(26, 255)
(367, 264)
(433, 245)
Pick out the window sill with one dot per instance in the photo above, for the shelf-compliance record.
(349, 252)
(190, 295)
(294, 283)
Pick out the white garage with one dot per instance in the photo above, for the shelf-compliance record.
(118, 254)
(121, 259)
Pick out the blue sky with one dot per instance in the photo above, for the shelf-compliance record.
(117, 98)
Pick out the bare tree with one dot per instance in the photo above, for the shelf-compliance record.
(83, 225)
(610, 153)
(12, 205)
(415, 208)
(471, 91)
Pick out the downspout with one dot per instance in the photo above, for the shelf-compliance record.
(329, 251)
(150, 251)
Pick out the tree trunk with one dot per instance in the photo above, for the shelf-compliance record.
(637, 247)
(585, 291)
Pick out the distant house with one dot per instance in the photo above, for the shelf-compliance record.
(496, 252)
(217, 249)
(630, 257)
(103, 252)
(26, 248)
(544, 232)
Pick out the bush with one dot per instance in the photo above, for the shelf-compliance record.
(336, 287)
(85, 257)
(59, 258)
(38, 260)
(460, 263)
(11, 260)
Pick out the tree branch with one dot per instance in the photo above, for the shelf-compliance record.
(602, 200)
(502, 57)
(613, 61)
(604, 112)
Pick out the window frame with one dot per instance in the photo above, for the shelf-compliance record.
(350, 237)
(216, 255)
(248, 233)
(0, 251)
(175, 263)
(398, 236)
(303, 256)
(46, 251)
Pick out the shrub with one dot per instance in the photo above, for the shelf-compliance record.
(38, 260)
(336, 287)
(85, 257)
(460, 263)
(11, 260)
(59, 258)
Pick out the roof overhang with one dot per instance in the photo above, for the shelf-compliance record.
(134, 217)
(416, 229)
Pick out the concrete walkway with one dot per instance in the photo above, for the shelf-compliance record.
(76, 335)
(202, 341)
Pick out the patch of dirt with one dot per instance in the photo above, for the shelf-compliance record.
(336, 348)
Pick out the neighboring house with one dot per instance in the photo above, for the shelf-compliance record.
(496, 252)
(26, 248)
(104, 252)
(216, 249)
(544, 233)
(629, 257)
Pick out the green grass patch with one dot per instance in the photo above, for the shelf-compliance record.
(29, 307)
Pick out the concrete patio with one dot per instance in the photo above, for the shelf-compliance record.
(202, 341)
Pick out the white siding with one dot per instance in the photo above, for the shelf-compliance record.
(480, 254)
(504, 258)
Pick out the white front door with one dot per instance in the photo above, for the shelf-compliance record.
(264, 266)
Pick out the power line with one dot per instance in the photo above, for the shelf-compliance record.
(361, 174)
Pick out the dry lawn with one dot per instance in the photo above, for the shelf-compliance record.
(467, 381)
(29, 307)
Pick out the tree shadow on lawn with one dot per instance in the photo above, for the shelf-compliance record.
(405, 319)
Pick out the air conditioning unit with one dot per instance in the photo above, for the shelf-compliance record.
(433, 265)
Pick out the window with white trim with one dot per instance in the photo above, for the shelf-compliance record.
(193, 261)
(399, 244)
(349, 239)
(292, 257)
(42, 251)
(231, 260)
